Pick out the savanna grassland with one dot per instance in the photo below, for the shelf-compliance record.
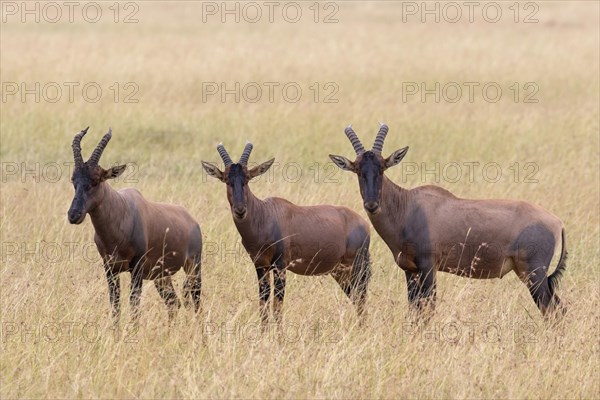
(487, 338)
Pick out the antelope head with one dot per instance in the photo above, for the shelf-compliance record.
(87, 177)
(236, 176)
(369, 166)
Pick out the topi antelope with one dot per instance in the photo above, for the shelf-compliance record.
(149, 240)
(428, 229)
(281, 236)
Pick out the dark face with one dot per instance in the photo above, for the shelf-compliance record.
(237, 190)
(236, 177)
(86, 181)
(369, 166)
(370, 179)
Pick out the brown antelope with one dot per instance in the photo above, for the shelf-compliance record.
(281, 236)
(149, 240)
(428, 229)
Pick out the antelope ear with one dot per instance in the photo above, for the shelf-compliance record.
(212, 170)
(113, 172)
(342, 162)
(395, 157)
(260, 169)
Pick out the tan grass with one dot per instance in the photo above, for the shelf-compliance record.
(487, 339)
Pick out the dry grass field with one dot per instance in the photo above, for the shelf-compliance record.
(486, 339)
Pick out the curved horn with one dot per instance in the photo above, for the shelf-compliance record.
(224, 156)
(77, 147)
(246, 154)
(378, 145)
(358, 147)
(95, 158)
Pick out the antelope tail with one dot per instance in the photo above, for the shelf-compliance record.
(554, 278)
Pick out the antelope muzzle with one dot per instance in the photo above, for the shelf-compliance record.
(371, 206)
(76, 213)
(239, 211)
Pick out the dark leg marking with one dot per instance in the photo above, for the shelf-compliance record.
(534, 248)
(192, 286)
(412, 286)
(167, 292)
(136, 288)
(416, 242)
(264, 293)
(422, 289)
(344, 280)
(427, 288)
(114, 293)
(355, 283)
(279, 283)
(361, 275)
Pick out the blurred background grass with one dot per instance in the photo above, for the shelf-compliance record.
(369, 53)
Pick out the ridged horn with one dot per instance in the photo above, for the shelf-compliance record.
(224, 156)
(358, 147)
(95, 158)
(77, 147)
(246, 154)
(378, 145)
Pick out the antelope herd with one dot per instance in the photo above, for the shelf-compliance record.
(427, 229)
